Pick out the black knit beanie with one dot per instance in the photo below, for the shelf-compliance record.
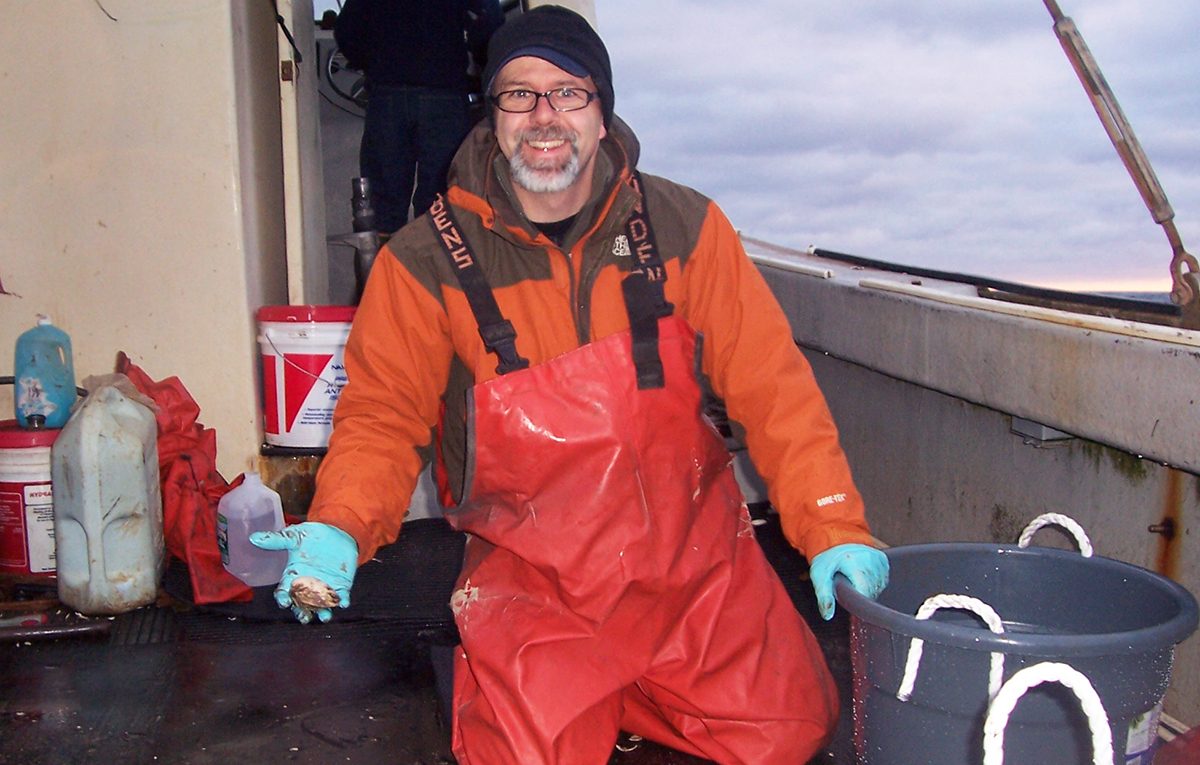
(560, 36)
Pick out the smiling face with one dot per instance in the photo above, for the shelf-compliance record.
(552, 154)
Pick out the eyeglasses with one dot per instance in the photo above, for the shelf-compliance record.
(521, 101)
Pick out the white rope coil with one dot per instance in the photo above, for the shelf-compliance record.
(1057, 519)
(1006, 701)
(917, 646)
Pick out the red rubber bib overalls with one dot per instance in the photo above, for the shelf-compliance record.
(612, 579)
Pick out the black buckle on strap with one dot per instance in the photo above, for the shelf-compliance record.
(500, 338)
(644, 302)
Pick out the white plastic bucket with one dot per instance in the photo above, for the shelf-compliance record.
(302, 371)
(26, 500)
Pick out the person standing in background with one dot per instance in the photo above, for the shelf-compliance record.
(416, 56)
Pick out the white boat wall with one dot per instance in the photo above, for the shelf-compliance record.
(965, 417)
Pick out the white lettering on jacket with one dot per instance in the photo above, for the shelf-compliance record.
(831, 499)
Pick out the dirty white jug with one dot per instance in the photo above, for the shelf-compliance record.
(108, 525)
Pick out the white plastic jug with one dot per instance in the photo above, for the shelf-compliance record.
(252, 506)
(108, 525)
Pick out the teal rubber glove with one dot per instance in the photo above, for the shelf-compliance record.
(315, 550)
(865, 567)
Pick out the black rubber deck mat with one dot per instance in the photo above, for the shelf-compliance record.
(406, 588)
(245, 682)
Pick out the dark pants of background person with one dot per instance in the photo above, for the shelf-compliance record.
(410, 133)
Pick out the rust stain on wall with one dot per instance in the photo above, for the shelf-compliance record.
(1170, 528)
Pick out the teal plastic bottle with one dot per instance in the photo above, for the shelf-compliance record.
(44, 376)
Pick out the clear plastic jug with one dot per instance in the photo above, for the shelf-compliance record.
(43, 376)
(252, 506)
(108, 526)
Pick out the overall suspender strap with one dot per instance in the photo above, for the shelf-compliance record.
(497, 332)
(645, 301)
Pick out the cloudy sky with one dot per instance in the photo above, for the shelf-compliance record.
(949, 134)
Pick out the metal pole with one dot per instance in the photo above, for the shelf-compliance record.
(1185, 285)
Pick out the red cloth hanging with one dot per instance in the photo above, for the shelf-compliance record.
(191, 486)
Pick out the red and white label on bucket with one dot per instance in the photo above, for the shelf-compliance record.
(300, 392)
(27, 528)
(302, 371)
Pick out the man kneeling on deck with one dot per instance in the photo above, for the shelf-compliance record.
(612, 580)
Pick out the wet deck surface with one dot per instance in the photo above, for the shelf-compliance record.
(177, 684)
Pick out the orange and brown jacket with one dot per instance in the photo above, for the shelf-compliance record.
(415, 342)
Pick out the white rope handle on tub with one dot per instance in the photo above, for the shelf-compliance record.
(296, 366)
(1046, 672)
(1057, 519)
(917, 646)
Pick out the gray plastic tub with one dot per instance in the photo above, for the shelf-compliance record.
(1116, 623)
